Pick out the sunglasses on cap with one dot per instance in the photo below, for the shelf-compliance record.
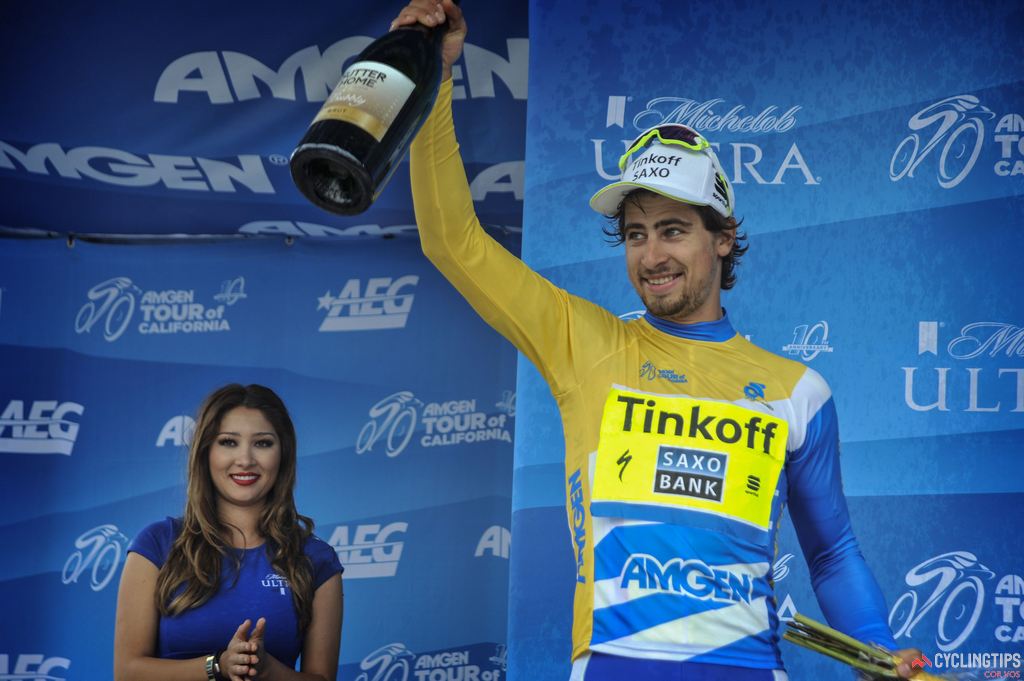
(669, 133)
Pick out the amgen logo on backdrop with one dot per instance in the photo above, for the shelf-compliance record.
(393, 422)
(127, 169)
(226, 77)
(111, 305)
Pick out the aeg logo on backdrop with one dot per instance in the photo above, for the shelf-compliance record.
(178, 431)
(43, 427)
(989, 389)
(741, 161)
(125, 169)
(383, 303)
(954, 128)
(32, 667)
(369, 551)
(495, 541)
(111, 304)
(226, 77)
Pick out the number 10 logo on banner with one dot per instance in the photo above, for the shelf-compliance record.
(809, 341)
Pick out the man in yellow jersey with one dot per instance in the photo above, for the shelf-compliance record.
(684, 442)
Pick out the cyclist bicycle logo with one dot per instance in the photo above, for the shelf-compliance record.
(648, 371)
(101, 548)
(960, 121)
(113, 301)
(958, 587)
(387, 663)
(394, 419)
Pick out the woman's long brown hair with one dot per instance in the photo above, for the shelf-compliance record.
(195, 559)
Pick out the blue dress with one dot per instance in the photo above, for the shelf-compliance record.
(256, 591)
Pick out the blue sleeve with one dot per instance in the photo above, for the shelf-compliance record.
(155, 540)
(325, 560)
(846, 590)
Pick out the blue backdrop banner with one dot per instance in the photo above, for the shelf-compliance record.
(877, 154)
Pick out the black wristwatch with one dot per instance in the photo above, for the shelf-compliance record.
(213, 672)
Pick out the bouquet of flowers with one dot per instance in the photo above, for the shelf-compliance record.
(871, 661)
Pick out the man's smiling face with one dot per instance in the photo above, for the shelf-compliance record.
(673, 261)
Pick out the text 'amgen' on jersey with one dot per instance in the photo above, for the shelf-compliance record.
(692, 578)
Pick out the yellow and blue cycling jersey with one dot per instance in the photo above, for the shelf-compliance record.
(684, 443)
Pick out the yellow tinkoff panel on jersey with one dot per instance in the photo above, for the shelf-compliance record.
(680, 452)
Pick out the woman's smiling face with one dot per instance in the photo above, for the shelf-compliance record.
(244, 458)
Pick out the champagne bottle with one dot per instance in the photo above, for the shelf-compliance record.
(365, 127)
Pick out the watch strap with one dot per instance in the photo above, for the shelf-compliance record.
(218, 675)
(211, 666)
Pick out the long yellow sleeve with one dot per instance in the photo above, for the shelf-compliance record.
(535, 315)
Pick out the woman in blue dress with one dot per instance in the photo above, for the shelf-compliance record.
(239, 587)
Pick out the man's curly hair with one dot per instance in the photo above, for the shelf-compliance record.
(714, 222)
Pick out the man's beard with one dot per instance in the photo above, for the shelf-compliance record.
(683, 303)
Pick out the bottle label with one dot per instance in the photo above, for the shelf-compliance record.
(369, 95)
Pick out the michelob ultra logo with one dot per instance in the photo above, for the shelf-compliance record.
(680, 452)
